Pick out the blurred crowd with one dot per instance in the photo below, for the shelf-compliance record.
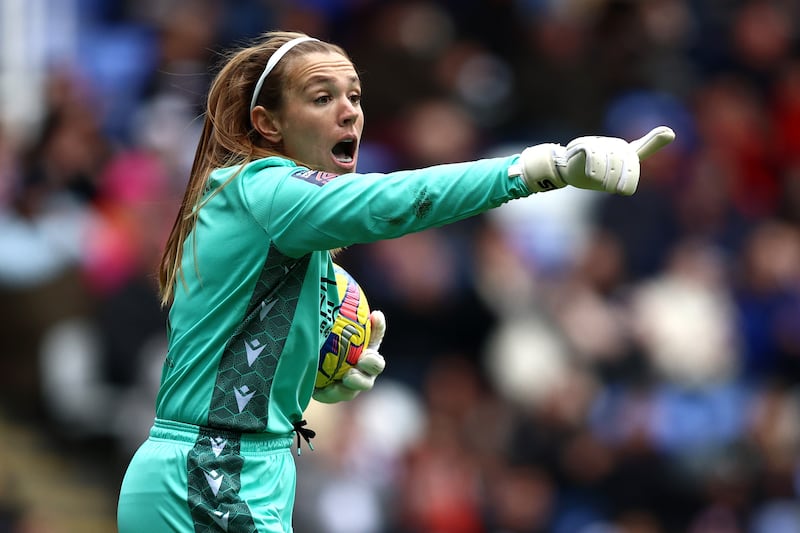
(572, 363)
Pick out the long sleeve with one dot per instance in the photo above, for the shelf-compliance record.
(303, 213)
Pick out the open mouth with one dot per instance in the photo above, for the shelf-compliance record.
(343, 151)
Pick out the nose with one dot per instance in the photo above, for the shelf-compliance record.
(348, 112)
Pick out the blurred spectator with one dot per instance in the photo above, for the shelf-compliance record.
(43, 234)
(441, 479)
(734, 126)
(684, 319)
(762, 36)
(785, 114)
(557, 92)
(767, 289)
(590, 308)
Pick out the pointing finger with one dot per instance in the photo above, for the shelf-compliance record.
(654, 141)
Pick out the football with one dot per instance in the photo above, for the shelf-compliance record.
(350, 332)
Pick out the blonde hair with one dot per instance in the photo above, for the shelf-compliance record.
(228, 137)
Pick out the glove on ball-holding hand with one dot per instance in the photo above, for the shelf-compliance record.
(607, 164)
(362, 376)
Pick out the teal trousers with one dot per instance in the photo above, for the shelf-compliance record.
(186, 478)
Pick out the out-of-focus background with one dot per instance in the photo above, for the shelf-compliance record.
(573, 363)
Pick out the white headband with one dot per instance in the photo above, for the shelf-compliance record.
(273, 60)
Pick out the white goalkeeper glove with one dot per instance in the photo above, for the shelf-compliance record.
(605, 164)
(362, 376)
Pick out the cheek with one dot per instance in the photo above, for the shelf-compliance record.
(298, 140)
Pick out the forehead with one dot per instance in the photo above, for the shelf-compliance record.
(321, 67)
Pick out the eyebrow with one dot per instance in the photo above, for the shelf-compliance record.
(319, 79)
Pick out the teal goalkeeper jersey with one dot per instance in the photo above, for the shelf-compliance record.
(258, 293)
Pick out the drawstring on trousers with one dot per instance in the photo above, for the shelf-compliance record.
(306, 433)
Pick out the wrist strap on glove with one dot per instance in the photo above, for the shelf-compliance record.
(538, 167)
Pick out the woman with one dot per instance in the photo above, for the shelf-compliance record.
(248, 276)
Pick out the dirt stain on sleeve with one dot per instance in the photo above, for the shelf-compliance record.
(422, 204)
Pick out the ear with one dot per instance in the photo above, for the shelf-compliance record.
(267, 124)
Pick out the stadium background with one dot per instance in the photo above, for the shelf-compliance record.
(574, 363)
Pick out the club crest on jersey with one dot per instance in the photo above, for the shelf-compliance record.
(316, 177)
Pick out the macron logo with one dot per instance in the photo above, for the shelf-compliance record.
(243, 396)
(266, 308)
(214, 480)
(254, 349)
(221, 519)
(217, 445)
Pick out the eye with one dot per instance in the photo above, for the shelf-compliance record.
(322, 100)
(355, 98)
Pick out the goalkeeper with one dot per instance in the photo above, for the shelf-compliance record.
(248, 277)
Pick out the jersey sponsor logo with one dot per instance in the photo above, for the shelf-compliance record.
(214, 480)
(243, 395)
(315, 177)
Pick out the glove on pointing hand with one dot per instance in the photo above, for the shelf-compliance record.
(605, 164)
